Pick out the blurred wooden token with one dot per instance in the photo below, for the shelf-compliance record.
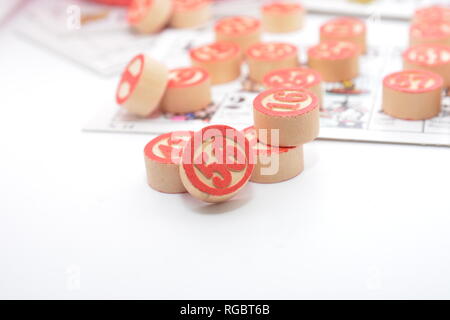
(222, 60)
(266, 57)
(282, 16)
(149, 16)
(162, 161)
(273, 164)
(437, 32)
(412, 94)
(190, 13)
(345, 29)
(432, 14)
(216, 164)
(429, 57)
(295, 77)
(335, 60)
(142, 85)
(188, 90)
(289, 115)
(243, 31)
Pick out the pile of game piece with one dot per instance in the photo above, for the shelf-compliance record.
(214, 163)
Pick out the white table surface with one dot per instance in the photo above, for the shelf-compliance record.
(77, 219)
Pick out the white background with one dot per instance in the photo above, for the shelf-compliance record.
(77, 219)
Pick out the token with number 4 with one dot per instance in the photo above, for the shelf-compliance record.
(162, 161)
(289, 115)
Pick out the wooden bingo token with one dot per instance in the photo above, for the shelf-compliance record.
(280, 17)
(142, 85)
(273, 164)
(429, 57)
(190, 13)
(149, 16)
(432, 14)
(222, 60)
(216, 163)
(335, 60)
(345, 29)
(188, 90)
(162, 161)
(295, 77)
(437, 32)
(243, 31)
(412, 94)
(291, 113)
(265, 57)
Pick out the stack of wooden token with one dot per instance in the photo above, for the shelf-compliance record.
(213, 164)
(285, 118)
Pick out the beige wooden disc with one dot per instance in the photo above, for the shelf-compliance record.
(142, 85)
(190, 13)
(162, 158)
(412, 94)
(189, 90)
(281, 17)
(149, 16)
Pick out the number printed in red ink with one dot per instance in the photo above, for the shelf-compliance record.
(271, 51)
(293, 77)
(167, 148)
(428, 54)
(343, 27)
(413, 81)
(333, 50)
(286, 101)
(186, 77)
(217, 160)
(215, 51)
(237, 25)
